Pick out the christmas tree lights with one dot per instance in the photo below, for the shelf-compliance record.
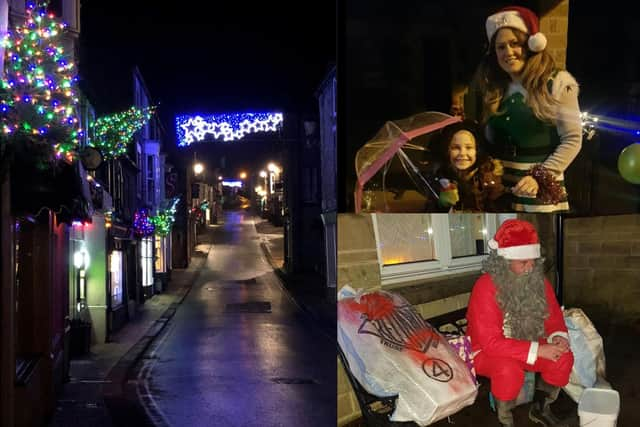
(225, 127)
(165, 218)
(111, 134)
(37, 90)
(142, 225)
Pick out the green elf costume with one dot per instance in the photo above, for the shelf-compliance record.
(518, 138)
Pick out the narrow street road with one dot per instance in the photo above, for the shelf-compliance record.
(239, 351)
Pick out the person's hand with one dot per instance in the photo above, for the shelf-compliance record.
(526, 187)
(551, 352)
(561, 342)
(449, 198)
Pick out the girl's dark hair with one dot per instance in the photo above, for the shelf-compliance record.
(441, 152)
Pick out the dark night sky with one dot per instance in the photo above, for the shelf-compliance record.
(207, 57)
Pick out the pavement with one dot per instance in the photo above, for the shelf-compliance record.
(100, 390)
(307, 289)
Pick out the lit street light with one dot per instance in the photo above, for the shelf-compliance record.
(243, 175)
(198, 168)
(273, 168)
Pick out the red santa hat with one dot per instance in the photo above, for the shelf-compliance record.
(516, 239)
(522, 19)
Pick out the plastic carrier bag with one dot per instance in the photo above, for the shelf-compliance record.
(588, 353)
(392, 351)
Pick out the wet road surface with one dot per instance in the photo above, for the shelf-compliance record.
(239, 351)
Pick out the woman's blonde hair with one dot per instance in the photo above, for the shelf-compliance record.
(538, 69)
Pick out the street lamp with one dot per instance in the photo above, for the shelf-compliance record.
(273, 168)
(274, 171)
(243, 175)
(198, 168)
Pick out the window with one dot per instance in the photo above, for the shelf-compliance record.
(115, 273)
(419, 246)
(150, 180)
(140, 166)
(146, 254)
(118, 190)
(160, 252)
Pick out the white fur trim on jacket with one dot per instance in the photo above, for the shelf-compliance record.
(533, 353)
(562, 81)
(558, 334)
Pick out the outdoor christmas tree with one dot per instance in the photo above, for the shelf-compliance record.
(165, 217)
(111, 134)
(38, 99)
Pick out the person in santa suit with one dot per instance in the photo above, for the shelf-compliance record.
(530, 108)
(515, 324)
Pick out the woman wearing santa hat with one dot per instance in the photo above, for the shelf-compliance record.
(515, 324)
(531, 111)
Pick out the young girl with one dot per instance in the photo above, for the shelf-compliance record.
(468, 179)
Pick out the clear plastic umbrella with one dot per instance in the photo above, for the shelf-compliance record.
(389, 167)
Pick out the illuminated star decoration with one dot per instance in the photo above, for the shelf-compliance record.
(38, 101)
(225, 127)
(142, 226)
(165, 218)
(113, 133)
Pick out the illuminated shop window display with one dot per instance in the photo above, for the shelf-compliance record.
(146, 254)
(115, 272)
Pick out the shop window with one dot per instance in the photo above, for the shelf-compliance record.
(146, 254)
(160, 251)
(420, 246)
(115, 273)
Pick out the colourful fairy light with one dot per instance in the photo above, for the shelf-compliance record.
(38, 86)
(113, 133)
(165, 218)
(225, 127)
(142, 226)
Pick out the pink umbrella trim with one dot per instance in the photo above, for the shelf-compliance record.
(391, 151)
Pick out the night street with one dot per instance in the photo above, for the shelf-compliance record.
(239, 351)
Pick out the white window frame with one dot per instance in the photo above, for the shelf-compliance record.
(444, 264)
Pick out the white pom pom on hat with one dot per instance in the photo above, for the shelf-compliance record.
(520, 18)
(537, 42)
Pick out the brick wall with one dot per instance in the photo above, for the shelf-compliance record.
(357, 267)
(357, 254)
(554, 24)
(602, 267)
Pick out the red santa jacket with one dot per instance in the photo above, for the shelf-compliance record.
(485, 322)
